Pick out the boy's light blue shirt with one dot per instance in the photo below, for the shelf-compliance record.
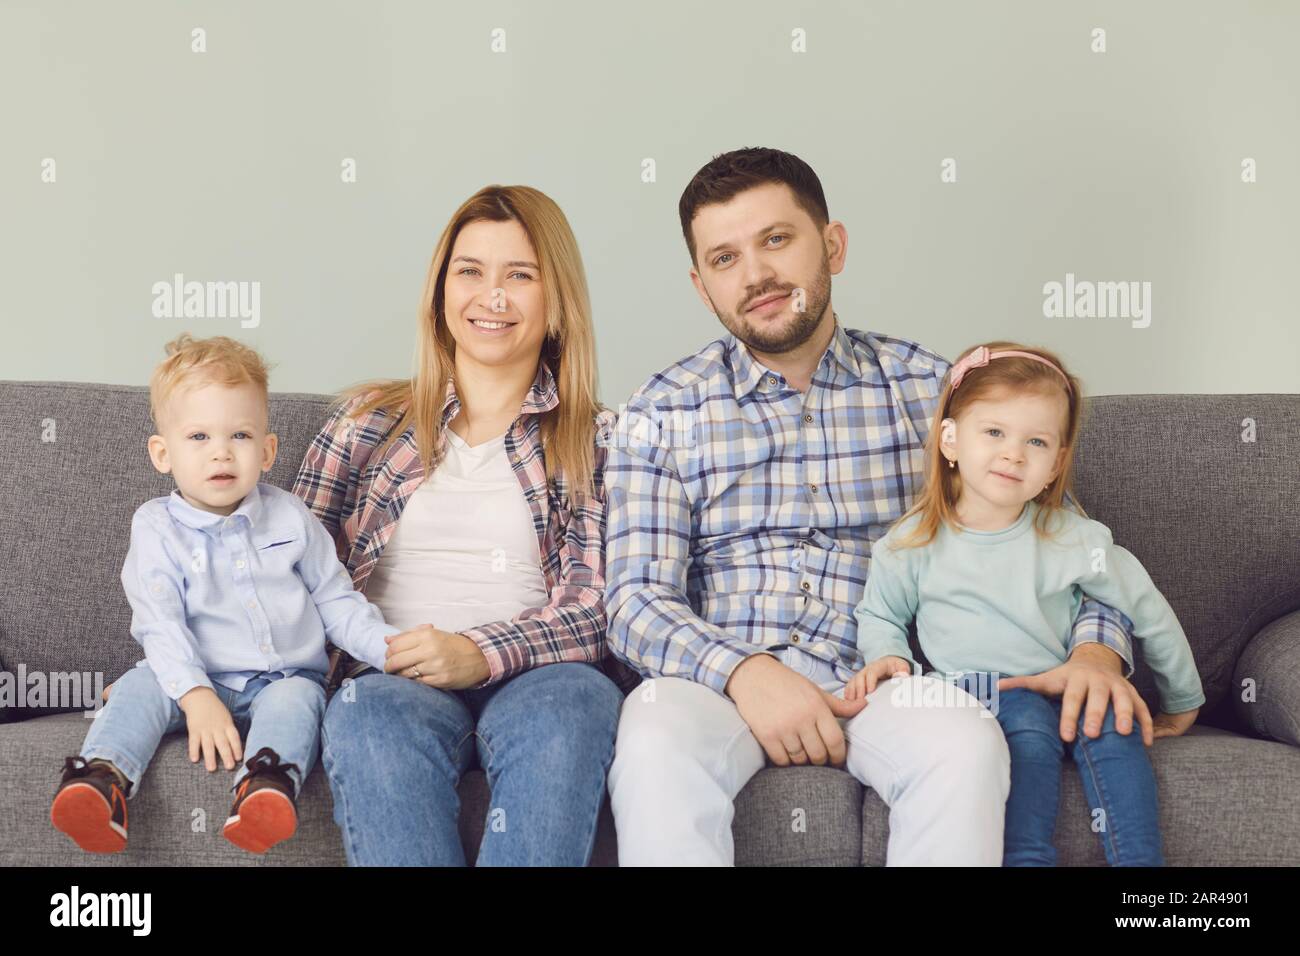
(224, 598)
(1005, 600)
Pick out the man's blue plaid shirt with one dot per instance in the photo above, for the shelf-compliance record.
(742, 512)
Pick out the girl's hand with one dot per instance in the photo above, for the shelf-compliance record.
(864, 681)
(1174, 725)
(436, 658)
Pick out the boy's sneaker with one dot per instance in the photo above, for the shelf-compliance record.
(264, 812)
(90, 806)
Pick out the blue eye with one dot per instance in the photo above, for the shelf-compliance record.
(777, 236)
(718, 261)
(245, 434)
(990, 431)
(199, 435)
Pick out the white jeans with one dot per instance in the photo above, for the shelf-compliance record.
(683, 753)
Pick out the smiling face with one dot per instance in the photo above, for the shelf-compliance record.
(753, 252)
(1006, 449)
(213, 440)
(492, 297)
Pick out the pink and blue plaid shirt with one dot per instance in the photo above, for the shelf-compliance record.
(359, 498)
(742, 512)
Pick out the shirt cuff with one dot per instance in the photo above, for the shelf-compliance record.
(720, 660)
(179, 682)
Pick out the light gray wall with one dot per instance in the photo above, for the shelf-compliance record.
(225, 165)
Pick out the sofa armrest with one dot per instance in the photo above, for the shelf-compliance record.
(1271, 665)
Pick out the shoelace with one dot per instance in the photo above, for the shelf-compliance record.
(267, 760)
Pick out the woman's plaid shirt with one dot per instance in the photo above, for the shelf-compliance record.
(359, 498)
(742, 512)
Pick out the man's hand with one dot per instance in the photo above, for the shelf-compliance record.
(436, 658)
(211, 728)
(864, 681)
(1175, 725)
(792, 718)
(1092, 674)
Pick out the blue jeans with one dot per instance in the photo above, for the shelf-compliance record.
(1115, 769)
(394, 750)
(283, 713)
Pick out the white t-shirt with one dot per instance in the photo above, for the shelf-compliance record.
(464, 551)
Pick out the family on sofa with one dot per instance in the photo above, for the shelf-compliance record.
(482, 562)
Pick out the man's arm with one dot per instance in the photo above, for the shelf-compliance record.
(652, 626)
(1100, 635)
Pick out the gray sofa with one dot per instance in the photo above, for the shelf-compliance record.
(1215, 519)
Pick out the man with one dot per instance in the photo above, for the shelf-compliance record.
(745, 489)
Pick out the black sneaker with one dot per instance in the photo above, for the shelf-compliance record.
(90, 806)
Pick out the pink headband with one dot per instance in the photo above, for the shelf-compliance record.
(980, 357)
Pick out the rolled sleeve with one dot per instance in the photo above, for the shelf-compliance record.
(1099, 623)
(571, 626)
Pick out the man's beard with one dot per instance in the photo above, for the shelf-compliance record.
(790, 333)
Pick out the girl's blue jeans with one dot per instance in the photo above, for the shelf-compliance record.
(283, 713)
(394, 750)
(1115, 769)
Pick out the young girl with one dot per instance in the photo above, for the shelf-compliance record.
(993, 565)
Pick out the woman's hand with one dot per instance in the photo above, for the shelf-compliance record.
(1175, 725)
(436, 658)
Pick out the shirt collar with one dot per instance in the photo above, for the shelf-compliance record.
(543, 395)
(750, 374)
(200, 520)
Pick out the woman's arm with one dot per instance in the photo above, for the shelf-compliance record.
(323, 481)
(571, 626)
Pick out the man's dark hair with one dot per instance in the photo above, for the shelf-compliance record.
(724, 176)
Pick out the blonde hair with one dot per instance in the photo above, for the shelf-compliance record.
(937, 502)
(191, 362)
(567, 431)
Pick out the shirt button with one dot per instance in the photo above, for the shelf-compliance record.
(794, 638)
(807, 418)
(813, 489)
(239, 563)
(252, 605)
(771, 380)
(266, 648)
(806, 586)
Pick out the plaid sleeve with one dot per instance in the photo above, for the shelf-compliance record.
(323, 478)
(571, 626)
(652, 626)
(1099, 623)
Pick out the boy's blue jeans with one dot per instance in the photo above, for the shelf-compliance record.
(395, 749)
(283, 713)
(1115, 769)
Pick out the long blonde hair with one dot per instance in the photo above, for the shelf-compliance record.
(937, 502)
(569, 347)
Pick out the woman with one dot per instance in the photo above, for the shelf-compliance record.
(468, 504)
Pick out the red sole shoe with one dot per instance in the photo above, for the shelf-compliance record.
(82, 812)
(265, 818)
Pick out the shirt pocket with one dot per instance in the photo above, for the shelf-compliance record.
(276, 555)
